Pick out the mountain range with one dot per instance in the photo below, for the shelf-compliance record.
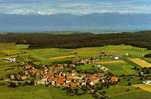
(104, 22)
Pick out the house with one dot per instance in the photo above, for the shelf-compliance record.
(12, 77)
(114, 79)
(12, 60)
(33, 71)
(93, 79)
(24, 77)
(116, 58)
(73, 85)
(41, 82)
(60, 81)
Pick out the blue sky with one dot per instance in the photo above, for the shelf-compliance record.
(77, 7)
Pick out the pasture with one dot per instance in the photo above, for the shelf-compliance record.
(38, 92)
(127, 92)
(123, 50)
(121, 68)
(7, 68)
(89, 68)
(118, 50)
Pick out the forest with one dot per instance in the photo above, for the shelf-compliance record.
(78, 40)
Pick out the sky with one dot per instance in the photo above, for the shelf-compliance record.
(69, 15)
(75, 7)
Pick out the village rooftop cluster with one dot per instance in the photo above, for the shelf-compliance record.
(56, 75)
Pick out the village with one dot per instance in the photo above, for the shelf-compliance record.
(56, 76)
(66, 75)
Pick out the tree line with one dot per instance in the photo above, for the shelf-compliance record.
(77, 40)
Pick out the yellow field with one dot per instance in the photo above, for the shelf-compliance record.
(144, 87)
(141, 62)
(111, 62)
(61, 57)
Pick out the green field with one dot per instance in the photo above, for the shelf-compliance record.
(127, 92)
(121, 68)
(48, 55)
(39, 92)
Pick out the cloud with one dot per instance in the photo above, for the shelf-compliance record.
(78, 7)
(21, 1)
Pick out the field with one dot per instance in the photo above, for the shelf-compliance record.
(141, 62)
(127, 92)
(39, 92)
(111, 62)
(144, 87)
(49, 55)
(62, 57)
(121, 68)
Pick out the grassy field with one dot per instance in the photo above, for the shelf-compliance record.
(7, 68)
(127, 92)
(90, 68)
(120, 50)
(46, 54)
(39, 92)
(121, 68)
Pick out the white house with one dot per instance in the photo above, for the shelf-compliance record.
(10, 59)
(116, 58)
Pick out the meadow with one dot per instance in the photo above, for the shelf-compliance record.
(121, 68)
(38, 92)
(127, 92)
